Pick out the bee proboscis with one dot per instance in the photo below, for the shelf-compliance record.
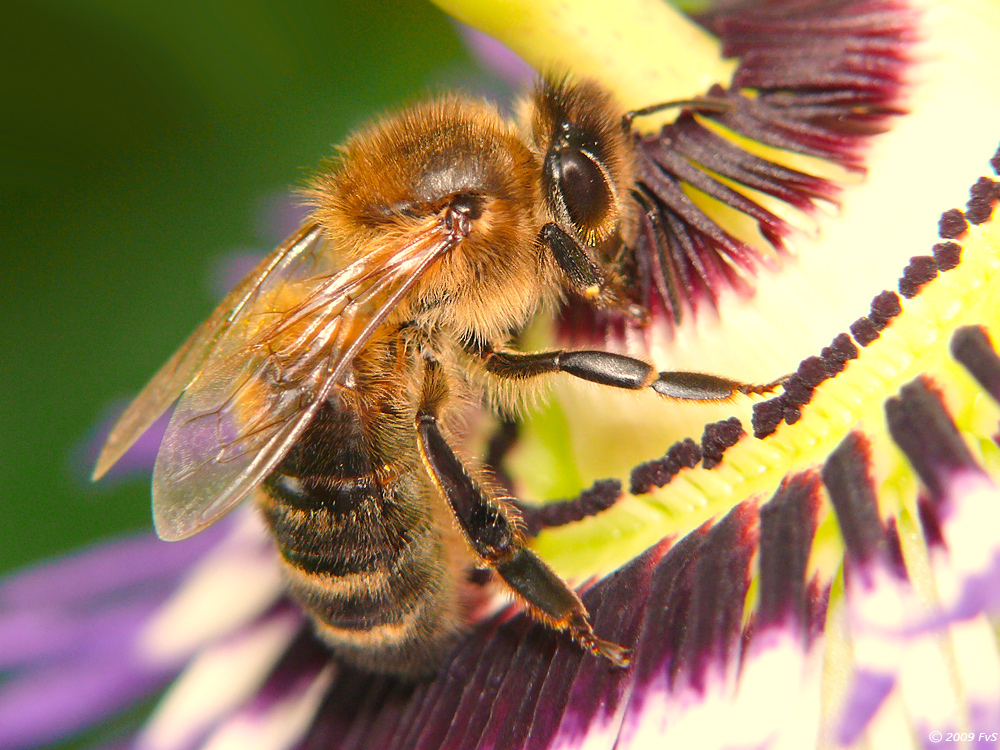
(327, 381)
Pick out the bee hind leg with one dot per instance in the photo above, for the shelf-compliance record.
(493, 529)
(554, 603)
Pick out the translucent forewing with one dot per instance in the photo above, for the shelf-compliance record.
(268, 374)
(187, 362)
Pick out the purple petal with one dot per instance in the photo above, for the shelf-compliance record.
(67, 629)
(869, 690)
(485, 681)
(974, 647)
(852, 492)
(554, 696)
(280, 725)
(104, 569)
(788, 522)
(921, 426)
(27, 638)
(711, 639)
(301, 662)
(233, 585)
(664, 623)
(42, 707)
(278, 216)
(879, 599)
(970, 520)
(895, 640)
(398, 700)
(511, 716)
(599, 696)
(964, 506)
(231, 269)
(972, 347)
(138, 459)
(781, 669)
(512, 683)
(688, 652)
(249, 671)
(515, 683)
(441, 700)
(348, 711)
(497, 57)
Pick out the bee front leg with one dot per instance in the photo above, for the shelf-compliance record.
(492, 528)
(583, 272)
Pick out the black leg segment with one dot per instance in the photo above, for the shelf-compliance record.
(620, 371)
(574, 260)
(491, 533)
(492, 528)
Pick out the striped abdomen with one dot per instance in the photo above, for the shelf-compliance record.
(362, 552)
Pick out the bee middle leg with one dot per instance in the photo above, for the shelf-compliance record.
(492, 528)
(620, 371)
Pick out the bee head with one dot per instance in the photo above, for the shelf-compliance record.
(456, 166)
(585, 157)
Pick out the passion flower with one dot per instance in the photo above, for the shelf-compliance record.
(814, 569)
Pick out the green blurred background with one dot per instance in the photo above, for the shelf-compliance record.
(141, 143)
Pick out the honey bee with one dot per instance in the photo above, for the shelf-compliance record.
(328, 382)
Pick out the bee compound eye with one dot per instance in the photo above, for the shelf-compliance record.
(584, 189)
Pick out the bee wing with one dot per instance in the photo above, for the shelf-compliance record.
(268, 375)
(296, 256)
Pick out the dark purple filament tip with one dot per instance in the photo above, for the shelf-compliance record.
(921, 270)
(948, 255)
(972, 347)
(825, 77)
(952, 224)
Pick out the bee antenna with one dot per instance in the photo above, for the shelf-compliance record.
(709, 104)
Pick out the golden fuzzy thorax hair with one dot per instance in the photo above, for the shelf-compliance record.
(393, 176)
